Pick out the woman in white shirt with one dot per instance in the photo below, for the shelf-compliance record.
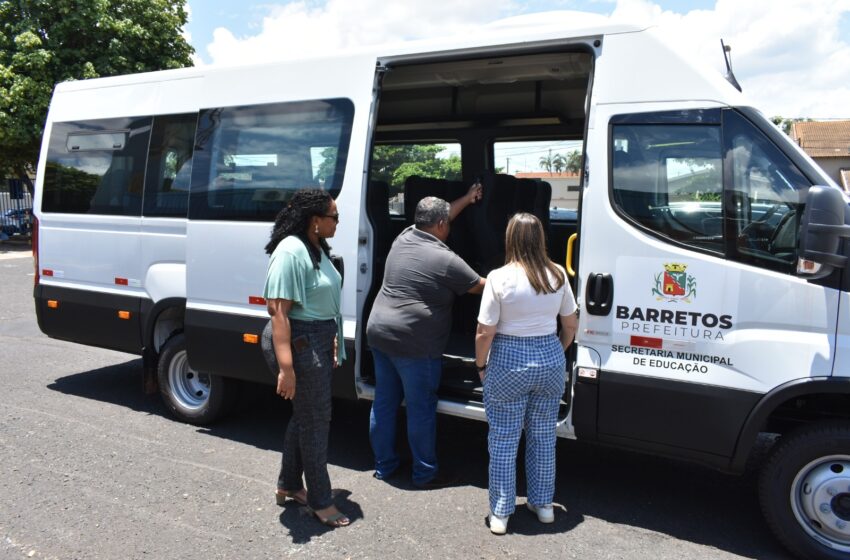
(524, 375)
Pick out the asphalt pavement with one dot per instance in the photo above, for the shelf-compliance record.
(92, 468)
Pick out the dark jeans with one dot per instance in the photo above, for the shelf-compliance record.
(305, 445)
(414, 380)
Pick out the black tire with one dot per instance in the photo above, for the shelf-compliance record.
(804, 489)
(193, 397)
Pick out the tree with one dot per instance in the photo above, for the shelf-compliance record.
(393, 164)
(546, 162)
(436, 168)
(559, 162)
(573, 161)
(783, 123)
(786, 124)
(328, 165)
(44, 42)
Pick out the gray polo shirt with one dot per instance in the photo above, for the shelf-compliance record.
(412, 315)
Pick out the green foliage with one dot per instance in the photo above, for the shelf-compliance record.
(707, 196)
(328, 165)
(573, 161)
(560, 162)
(547, 162)
(393, 164)
(44, 42)
(704, 183)
(786, 124)
(77, 187)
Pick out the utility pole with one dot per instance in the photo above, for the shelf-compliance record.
(508, 166)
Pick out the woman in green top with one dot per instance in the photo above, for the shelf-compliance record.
(300, 344)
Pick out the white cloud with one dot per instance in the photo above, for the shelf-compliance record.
(788, 55)
(299, 28)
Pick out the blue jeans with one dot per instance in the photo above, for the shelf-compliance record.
(416, 381)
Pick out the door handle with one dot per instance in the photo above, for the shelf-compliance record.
(599, 294)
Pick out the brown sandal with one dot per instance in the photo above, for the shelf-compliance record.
(299, 496)
(334, 520)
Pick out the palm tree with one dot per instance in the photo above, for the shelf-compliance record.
(559, 162)
(573, 161)
(546, 162)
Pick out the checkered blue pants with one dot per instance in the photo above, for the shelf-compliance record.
(522, 389)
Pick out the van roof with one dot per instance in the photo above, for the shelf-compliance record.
(530, 28)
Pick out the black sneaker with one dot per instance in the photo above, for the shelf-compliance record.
(389, 476)
(402, 465)
(441, 480)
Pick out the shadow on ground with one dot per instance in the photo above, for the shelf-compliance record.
(302, 529)
(684, 501)
(15, 245)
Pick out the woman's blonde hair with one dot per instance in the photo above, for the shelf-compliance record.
(525, 244)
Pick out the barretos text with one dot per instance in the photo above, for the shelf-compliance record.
(679, 324)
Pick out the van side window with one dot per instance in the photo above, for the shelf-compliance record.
(555, 162)
(764, 200)
(668, 178)
(392, 164)
(719, 185)
(249, 160)
(96, 167)
(170, 166)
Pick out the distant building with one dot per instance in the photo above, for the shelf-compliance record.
(564, 187)
(828, 143)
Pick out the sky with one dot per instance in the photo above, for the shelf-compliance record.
(792, 57)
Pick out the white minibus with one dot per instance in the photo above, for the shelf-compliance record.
(706, 250)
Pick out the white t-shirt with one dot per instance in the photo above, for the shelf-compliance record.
(510, 303)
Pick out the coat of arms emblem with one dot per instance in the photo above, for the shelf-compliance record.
(675, 284)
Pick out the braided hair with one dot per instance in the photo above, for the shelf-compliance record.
(294, 219)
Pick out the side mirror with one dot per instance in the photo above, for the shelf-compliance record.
(823, 225)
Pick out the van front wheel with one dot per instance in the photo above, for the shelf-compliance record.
(804, 491)
(191, 396)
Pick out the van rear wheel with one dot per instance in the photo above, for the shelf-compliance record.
(191, 396)
(804, 491)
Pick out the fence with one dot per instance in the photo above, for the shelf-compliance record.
(15, 210)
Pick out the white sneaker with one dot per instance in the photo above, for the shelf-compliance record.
(498, 525)
(545, 514)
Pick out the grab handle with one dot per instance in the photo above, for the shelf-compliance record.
(570, 244)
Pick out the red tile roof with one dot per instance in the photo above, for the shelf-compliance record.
(823, 138)
(545, 175)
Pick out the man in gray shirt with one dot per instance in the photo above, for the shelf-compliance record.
(408, 330)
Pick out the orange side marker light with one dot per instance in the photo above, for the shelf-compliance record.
(52, 304)
(250, 338)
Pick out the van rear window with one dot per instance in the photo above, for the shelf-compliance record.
(249, 160)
